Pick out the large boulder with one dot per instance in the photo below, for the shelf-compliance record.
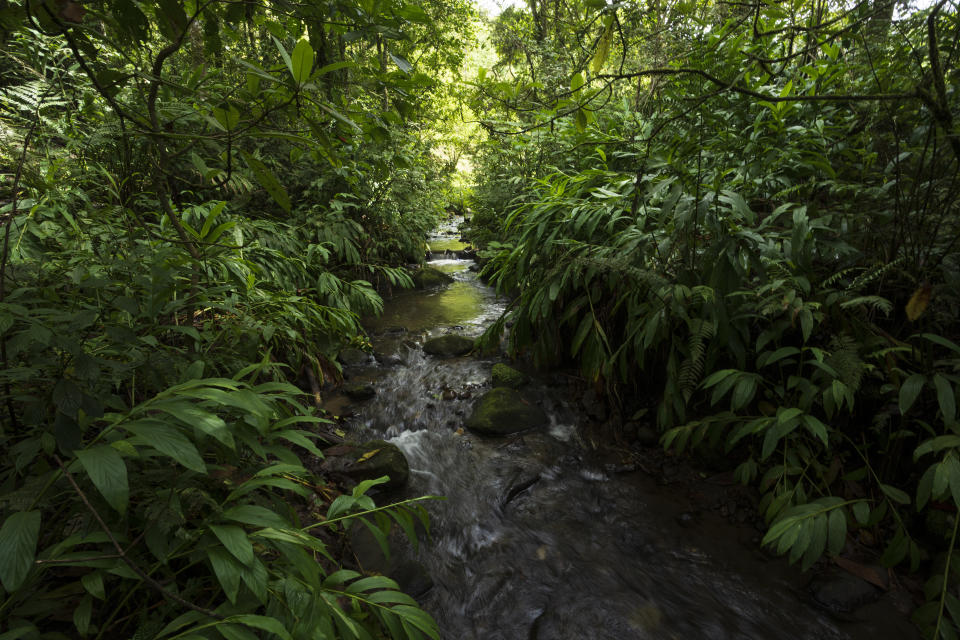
(368, 460)
(429, 278)
(504, 376)
(503, 411)
(448, 346)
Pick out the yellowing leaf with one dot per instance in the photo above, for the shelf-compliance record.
(919, 301)
(368, 455)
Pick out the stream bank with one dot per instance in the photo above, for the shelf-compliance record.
(547, 535)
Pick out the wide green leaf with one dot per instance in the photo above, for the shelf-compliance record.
(108, 472)
(302, 61)
(168, 441)
(18, 547)
(235, 540)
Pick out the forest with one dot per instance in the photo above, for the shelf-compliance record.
(736, 221)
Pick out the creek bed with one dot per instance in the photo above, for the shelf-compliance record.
(537, 538)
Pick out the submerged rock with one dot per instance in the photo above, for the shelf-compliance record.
(448, 346)
(367, 461)
(504, 411)
(360, 391)
(428, 278)
(504, 376)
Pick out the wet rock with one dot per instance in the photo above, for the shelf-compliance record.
(359, 391)
(842, 592)
(687, 519)
(647, 436)
(429, 278)
(413, 578)
(368, 460)
(448, 346)
(504, 376)
(351, 356)
(594, 405)
(449, 394)
(504, 411)
(387, 360)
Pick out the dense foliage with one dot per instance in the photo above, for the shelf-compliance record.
(750, 208)
(198, 201)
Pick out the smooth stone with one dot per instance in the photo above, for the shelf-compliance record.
(842, 592)
(448, 346)
(503, 411)
(351, 356)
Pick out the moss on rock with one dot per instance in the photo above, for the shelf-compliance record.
(504, 376)
(367, 461)
(429, 278)
(503, 411)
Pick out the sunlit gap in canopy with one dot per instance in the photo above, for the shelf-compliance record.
(495, 7)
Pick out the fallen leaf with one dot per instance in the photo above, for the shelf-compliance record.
(869, 574)
(368, 455)
(919, 301)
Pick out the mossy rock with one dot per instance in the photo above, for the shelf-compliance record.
(367, 461)
(350, 356)
(503, 411)
(448, 346)
(504, 376)
(429, 278)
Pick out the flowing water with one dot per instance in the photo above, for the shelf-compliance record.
(536, 539)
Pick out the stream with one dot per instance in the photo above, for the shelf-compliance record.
(538, 538)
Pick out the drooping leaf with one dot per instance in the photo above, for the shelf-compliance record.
(918, 302)
(268, 181)
(168, 441)
(18, 547)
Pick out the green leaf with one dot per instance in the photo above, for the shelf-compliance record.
(108, 472)
(413, 13)
(257, 516)
(743, 392)
(82, 615)
(895, 494)
(271, 625)
(402, 63)
(268, 181)
(576, 82)
(227, 118)
(93, 583)
(861, 511)
(18, 547)
(837, 531)
(227, 570)
(302, 61)
(67, 396)
(192, 415)
(910, 390)
(168, 441)
(285, 56)
(946, 399)
(235, 539)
